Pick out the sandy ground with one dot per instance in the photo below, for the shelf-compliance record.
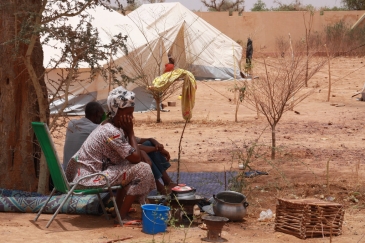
(318, 132)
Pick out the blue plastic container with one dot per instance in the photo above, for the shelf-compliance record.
(154, 218)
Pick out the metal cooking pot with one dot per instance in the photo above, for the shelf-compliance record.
(159, 199)
(230, 204)
(183, 192)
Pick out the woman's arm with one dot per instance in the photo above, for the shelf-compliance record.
(134, 157)
(147, 149)
(126, 123)
(145, 158)
(158, 146)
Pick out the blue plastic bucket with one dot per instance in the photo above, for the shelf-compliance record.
(154, 218)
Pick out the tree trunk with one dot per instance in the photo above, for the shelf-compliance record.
(19, 160)
(158, 101)
(307, 67)
(273, 141)
(235, 114)
(329, 74)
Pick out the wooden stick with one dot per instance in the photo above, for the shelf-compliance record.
(320, 232)
(225, 179)
(235, 85)
(329, 74)
(302, 236)
(299, 224)
(328, 161)
(180, 148)
(289, 218)
(290, 227)
(121, 239)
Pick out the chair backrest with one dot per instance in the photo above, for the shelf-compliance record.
(44, 138)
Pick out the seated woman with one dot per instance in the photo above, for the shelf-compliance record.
(112, 149)
(159, 158)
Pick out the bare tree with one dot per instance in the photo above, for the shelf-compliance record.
(308, 27)
(73, 53)
(224, 5)
(281, 86)
(282, 45)
(329, 74)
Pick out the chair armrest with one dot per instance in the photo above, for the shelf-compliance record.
(92, 175)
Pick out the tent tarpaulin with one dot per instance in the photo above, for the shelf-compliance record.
(155, 31)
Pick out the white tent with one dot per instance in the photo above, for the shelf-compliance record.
(159, 30)
(156, 31)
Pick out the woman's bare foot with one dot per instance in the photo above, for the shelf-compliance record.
(124, 220)
(114, 214)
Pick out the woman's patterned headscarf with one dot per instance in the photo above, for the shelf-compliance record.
(120, 98)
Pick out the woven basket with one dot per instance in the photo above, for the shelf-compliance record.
(306, 218)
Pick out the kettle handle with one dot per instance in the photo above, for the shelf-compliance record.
(245, 204)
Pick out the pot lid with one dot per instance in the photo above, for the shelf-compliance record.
(182, 188)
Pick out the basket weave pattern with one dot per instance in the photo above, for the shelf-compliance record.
(306, 218)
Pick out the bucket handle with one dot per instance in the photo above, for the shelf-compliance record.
(152, 220)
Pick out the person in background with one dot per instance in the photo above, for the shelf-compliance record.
(249, 53)
(169, 66)
(159, 157)
(78, 130)
(112, 149)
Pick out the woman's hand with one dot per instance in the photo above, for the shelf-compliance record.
(126, 123)
(166, 154)
(158, 146)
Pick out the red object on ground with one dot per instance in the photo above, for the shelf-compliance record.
(132, 210)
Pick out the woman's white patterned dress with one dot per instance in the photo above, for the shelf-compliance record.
(105, 151)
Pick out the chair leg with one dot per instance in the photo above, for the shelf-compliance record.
(116, 209)
(62, 203)
(115, 205)
(44, 205)
(102, 206)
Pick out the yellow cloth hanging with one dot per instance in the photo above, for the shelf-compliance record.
(189, 87)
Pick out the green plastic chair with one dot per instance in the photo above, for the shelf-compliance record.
(59, 178)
